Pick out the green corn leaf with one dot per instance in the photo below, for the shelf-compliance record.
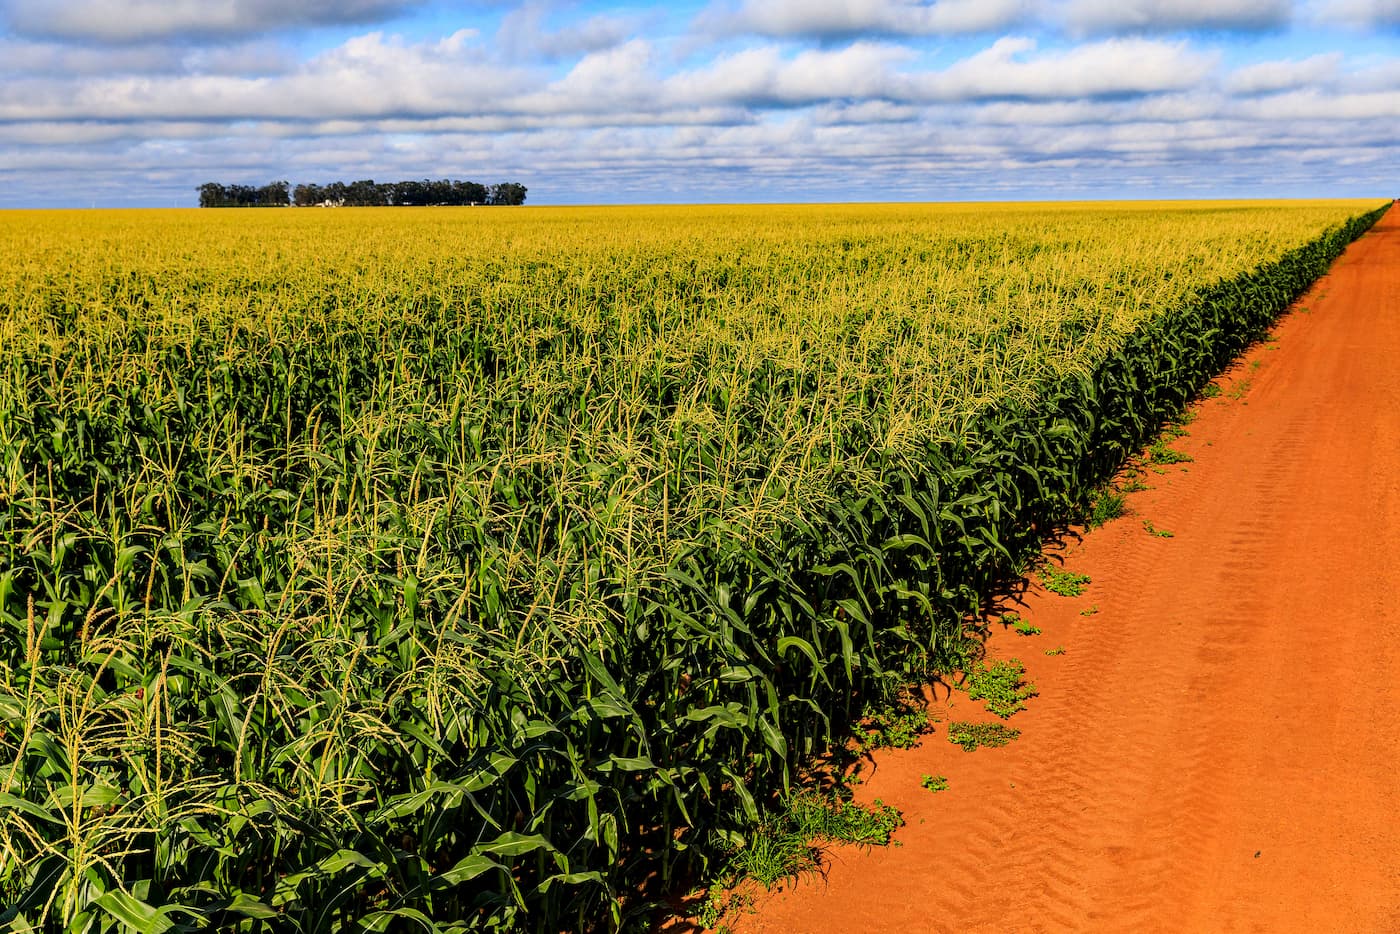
(27, 807)
(134, 914)
(514, 844)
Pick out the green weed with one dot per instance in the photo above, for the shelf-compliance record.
(1151, 529)
(1019, 624)
(897, 726)
(1065, 583)
(934, 783)
(971, 736)
(840, 820)
(1134, 483)
(774, 851)
(1159, 453)
(1002, 686)
(1105, 505)
(719, 904)
(787, 841)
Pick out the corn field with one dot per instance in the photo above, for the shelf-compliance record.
(453, 570)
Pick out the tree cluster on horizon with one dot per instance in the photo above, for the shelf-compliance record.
(363, 193)
(214, 195)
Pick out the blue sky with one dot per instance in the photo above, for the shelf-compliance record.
(137, 102)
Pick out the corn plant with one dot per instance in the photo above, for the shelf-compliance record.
(381, 569)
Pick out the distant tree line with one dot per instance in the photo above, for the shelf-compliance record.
(214, 195)
(368, 193)
(365, 193)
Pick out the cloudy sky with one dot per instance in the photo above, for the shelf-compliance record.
(137, 102)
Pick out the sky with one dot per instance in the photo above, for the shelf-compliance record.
(126, 103)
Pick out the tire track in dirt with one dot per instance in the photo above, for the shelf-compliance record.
(1217, 751)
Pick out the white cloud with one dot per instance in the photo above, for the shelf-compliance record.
(1359, 14)
(256, 57)
(369, 75)
(122, 21)
(865, 113)
(763, 75)
(1111, 67)
(1173, 15)
(1266, 77)
(526, 32)
(850, 18)
(22, 58)
(614, 80)
(1331, 108)
(1200, 108)
(1382, 75)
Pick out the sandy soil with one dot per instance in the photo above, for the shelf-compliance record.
(1218, 749)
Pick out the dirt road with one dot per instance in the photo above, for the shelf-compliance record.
(1218, 748)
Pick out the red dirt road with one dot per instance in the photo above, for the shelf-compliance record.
(1219, 747)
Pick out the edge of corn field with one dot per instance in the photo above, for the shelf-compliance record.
(1030, 468)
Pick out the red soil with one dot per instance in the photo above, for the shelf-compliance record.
(1219, 747)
